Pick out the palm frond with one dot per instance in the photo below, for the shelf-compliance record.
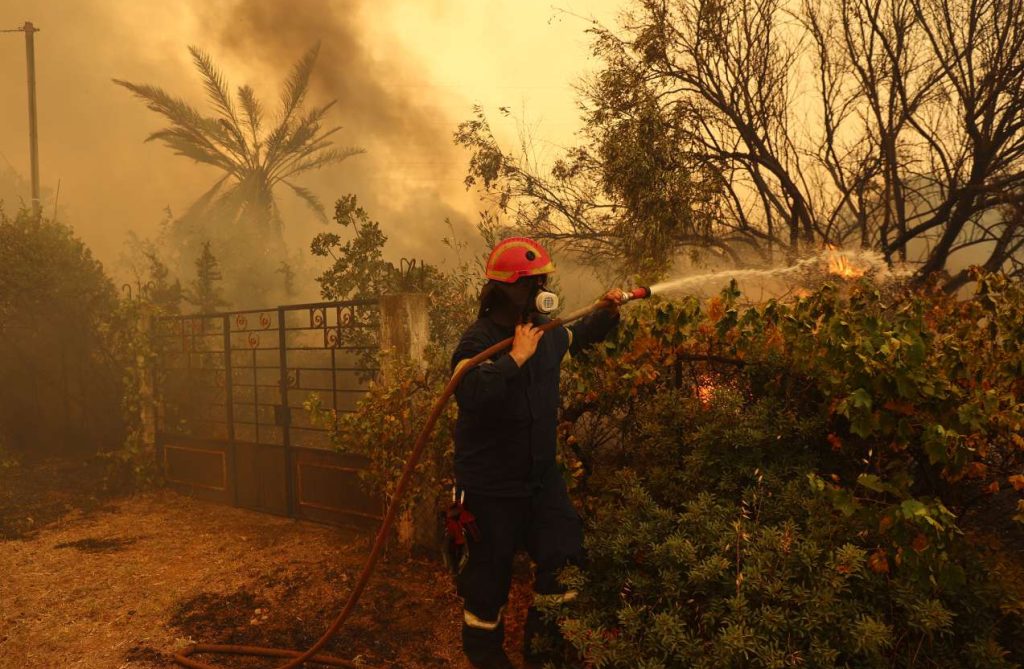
(317, 160)
(187, 124)
(296, 136)
(297, 83)
(184, 144)
(291, 99)
(214, 83)
(233, 139)
(310, 199)
(274, 141)
(253, 111)
(217, 91)
(157, 99)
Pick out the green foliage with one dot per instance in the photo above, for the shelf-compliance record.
(626, 197)
(387, 422)
(205, 293)
(145, 261)
(697, 138)
(166, 295)
(74, 357)
(787, 484)
(359, 271)
(132, 463)
(62, 381)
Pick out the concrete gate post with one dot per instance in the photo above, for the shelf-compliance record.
(404, 330)
(404, 335)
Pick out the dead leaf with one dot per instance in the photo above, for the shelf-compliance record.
(878, 562)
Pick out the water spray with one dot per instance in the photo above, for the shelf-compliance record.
(312, 654)
(827, 263)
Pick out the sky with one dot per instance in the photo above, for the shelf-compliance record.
(404, 73)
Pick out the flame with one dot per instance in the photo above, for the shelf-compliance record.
(840, 265)
(705, 388)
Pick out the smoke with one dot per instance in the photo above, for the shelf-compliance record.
(410, 176)
(404, 74)
(113, 184)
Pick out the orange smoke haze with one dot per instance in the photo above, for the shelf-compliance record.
(404, 74)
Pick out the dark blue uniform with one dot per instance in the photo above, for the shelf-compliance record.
(505, 440)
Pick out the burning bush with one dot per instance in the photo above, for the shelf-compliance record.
(798, 484)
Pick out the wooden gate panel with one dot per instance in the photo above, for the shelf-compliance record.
(328, 488)
(199, 468)
(259, 475)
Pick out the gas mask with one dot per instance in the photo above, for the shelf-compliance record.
(545, 301)
(521, 301)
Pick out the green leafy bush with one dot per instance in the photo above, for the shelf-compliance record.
(73, 355)
(386, 424)
(388, 420)
(787, 485)
(62, 377)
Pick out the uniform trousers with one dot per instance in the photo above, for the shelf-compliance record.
(548, 527)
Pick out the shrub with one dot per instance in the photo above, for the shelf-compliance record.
(62, 377)
(386, 424)
(785, 485)
(72, 355)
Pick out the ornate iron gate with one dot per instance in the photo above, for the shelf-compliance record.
(230, 421)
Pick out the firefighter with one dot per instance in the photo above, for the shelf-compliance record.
(507, 482)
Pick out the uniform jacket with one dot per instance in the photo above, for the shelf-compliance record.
(505, 432)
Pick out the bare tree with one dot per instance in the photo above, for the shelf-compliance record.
(890, 124)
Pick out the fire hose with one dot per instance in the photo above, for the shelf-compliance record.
(312, 654)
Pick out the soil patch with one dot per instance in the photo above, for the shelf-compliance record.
(36, 493)
(144, 656)
(205, 572)
(228, 617)
(92, 545)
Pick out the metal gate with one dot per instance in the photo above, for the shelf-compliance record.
(230, 420)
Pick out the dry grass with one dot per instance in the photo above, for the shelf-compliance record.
(125, 586)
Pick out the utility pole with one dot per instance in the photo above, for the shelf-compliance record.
(33, 132)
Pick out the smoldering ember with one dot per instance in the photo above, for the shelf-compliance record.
(632, 333)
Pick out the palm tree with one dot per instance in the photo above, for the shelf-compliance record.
(235, 140)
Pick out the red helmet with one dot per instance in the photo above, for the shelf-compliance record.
(516, 257)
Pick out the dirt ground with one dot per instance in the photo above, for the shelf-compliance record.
(126, 582)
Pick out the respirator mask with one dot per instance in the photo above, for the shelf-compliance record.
(542, 300)
(545, 301)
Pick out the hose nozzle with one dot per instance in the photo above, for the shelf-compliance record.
(638, 293)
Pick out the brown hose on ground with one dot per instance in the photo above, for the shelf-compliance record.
(183, 657)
